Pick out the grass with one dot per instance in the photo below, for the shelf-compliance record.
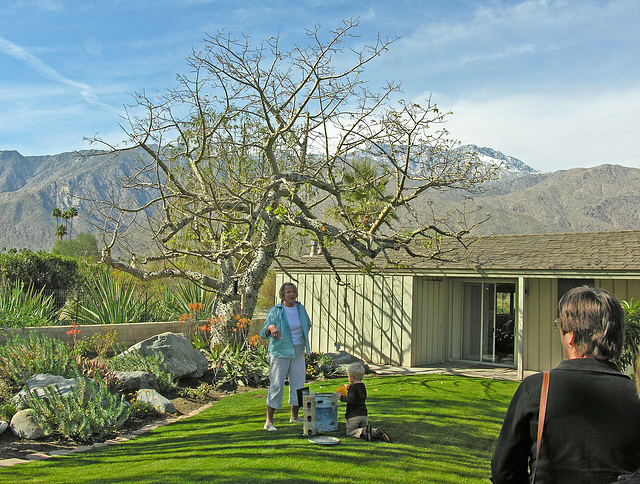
(443, 430)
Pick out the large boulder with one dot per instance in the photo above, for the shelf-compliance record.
(24, 425)
(343, 359)
(157, 401)
(180, 356)
(130, 381)
(38, 383)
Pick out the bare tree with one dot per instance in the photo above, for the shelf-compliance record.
(251, 149)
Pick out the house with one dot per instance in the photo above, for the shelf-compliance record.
(497, 306)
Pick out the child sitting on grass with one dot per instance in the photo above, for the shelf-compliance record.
(356, 414)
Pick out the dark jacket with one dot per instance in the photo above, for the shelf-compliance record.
(591, 431)
(355, 399)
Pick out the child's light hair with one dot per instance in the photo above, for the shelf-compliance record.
(356, 370)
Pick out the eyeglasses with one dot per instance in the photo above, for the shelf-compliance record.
(556, 323)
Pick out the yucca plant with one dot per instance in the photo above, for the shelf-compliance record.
(108, 301)
(22, 307)
(177, 302)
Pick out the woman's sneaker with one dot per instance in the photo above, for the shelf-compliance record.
(382, 435)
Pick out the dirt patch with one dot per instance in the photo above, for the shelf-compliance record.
(12, 447)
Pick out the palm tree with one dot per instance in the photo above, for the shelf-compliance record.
(71, 214)
(61, 231)
(57, 213)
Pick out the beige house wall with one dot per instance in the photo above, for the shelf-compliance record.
(409, 320)
(431, 321)
(368, 317)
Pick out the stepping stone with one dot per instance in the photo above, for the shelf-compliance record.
(82, 448)
(38, 456)
(11, 462)
(60, 452)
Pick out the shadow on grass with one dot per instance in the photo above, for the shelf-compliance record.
(443, 430)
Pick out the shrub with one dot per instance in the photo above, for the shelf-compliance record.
(632, 335)
(40, 270)
(320, 366)
(7, 409)
(240, 364)
(140, 410)
(200, 393)
(24, 356)
(134, 361)
(77, 416)
(22, 307)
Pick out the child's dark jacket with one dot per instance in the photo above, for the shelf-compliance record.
(355, 399)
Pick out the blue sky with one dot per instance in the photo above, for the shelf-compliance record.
(554, 83)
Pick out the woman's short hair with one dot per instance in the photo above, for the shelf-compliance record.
(356, 370)
(596, 319)
(284, 288)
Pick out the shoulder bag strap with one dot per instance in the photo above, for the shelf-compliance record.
(541, 414)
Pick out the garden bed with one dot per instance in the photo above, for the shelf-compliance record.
(13, 447)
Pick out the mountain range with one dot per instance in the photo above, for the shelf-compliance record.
(522, 200)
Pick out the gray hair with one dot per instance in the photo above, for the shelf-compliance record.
(284, 288)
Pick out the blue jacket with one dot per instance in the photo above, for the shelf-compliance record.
(283, 347)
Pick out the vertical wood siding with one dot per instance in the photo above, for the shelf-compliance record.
(430, 327)
(370, 318)
(542, 349)
(408, 320)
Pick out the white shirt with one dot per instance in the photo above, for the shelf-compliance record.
(293, 317)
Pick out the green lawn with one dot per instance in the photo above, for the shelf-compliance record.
(443, 430)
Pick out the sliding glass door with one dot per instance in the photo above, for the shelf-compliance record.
(488, 317)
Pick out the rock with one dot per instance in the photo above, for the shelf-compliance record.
(180, 357)
(344, 359)
(157, 401)
(130, 381)
(38, 383)
(24, 426)
(3, 426)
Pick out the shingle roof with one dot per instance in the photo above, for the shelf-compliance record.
(590, 252)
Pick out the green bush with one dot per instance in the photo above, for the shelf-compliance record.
(134, 361)
(84, 245)
(21, 308)
(24, 356)
(632, 335)
(40, 270)
(320, 366)
(76, 416)
(7, 409)
(140, 410)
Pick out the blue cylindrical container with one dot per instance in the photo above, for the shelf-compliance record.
(326, 412)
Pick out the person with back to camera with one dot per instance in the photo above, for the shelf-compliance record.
(591, 431)
(287, 325)
(356, 414)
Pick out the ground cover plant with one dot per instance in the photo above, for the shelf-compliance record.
(443, 430)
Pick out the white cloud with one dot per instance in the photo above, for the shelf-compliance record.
(550, 131)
